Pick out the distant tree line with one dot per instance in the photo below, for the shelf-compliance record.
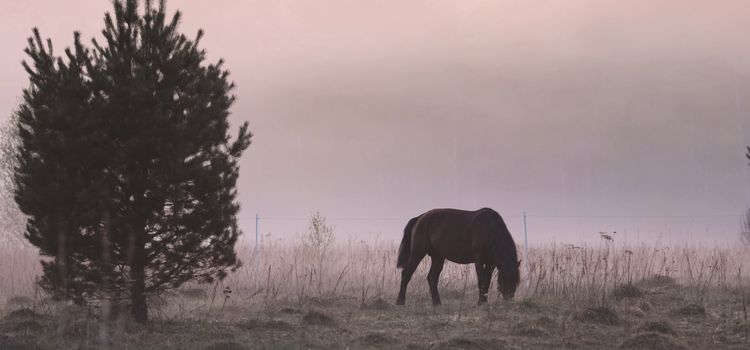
(124, 166)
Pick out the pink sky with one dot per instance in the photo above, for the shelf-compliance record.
(574, 111)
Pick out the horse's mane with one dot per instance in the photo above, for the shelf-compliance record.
(501, 241)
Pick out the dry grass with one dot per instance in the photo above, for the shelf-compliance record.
(286, 296)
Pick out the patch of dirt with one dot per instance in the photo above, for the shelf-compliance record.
(645, 305)
(290, 310)
(378, 304)
(225, 345)
(652, 341)
(661, 326)
(528, 305)
(81, 329)
(378, 339)
(320, 301)
(546, 322)
(635, 311)
(23, 326)
(690, 310)
(260, 324)
(528, 330)
(463, 343)
(24, 313)
(417, 346)
(318, 318)
(328, 301)
(741, 328)
(626, 291)
(278, 325)
(21, 314)
(437, 325)
(658, 281)
(8, 342)
(600, 315)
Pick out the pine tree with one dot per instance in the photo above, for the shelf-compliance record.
(127, 171)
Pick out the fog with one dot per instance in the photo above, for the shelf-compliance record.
(587, 115)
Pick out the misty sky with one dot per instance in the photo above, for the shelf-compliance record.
(589, 115)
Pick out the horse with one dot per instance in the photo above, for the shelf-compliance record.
(463, 237)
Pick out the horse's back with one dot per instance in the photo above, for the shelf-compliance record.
(449, 234)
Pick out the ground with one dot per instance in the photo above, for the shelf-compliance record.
(656, 313)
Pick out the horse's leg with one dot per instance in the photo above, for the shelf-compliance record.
(482, 281)
(432, 278)
(406, 274)
(488, 270)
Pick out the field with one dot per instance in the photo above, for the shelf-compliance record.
(290, 296)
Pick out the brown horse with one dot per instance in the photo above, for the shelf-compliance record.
(464, 237)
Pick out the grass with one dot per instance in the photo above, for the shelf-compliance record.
(286, 296)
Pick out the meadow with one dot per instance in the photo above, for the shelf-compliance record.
(294, 296)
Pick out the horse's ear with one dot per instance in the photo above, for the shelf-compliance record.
(518, 264)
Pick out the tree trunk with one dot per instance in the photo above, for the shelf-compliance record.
(61, 260)
(138, 276)
(107, 267)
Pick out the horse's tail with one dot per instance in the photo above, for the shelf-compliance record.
(404, 250)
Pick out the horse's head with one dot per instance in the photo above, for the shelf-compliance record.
(509, 278)
(503, 249)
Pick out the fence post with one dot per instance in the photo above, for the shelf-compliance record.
(257, 219)
(526, 249)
